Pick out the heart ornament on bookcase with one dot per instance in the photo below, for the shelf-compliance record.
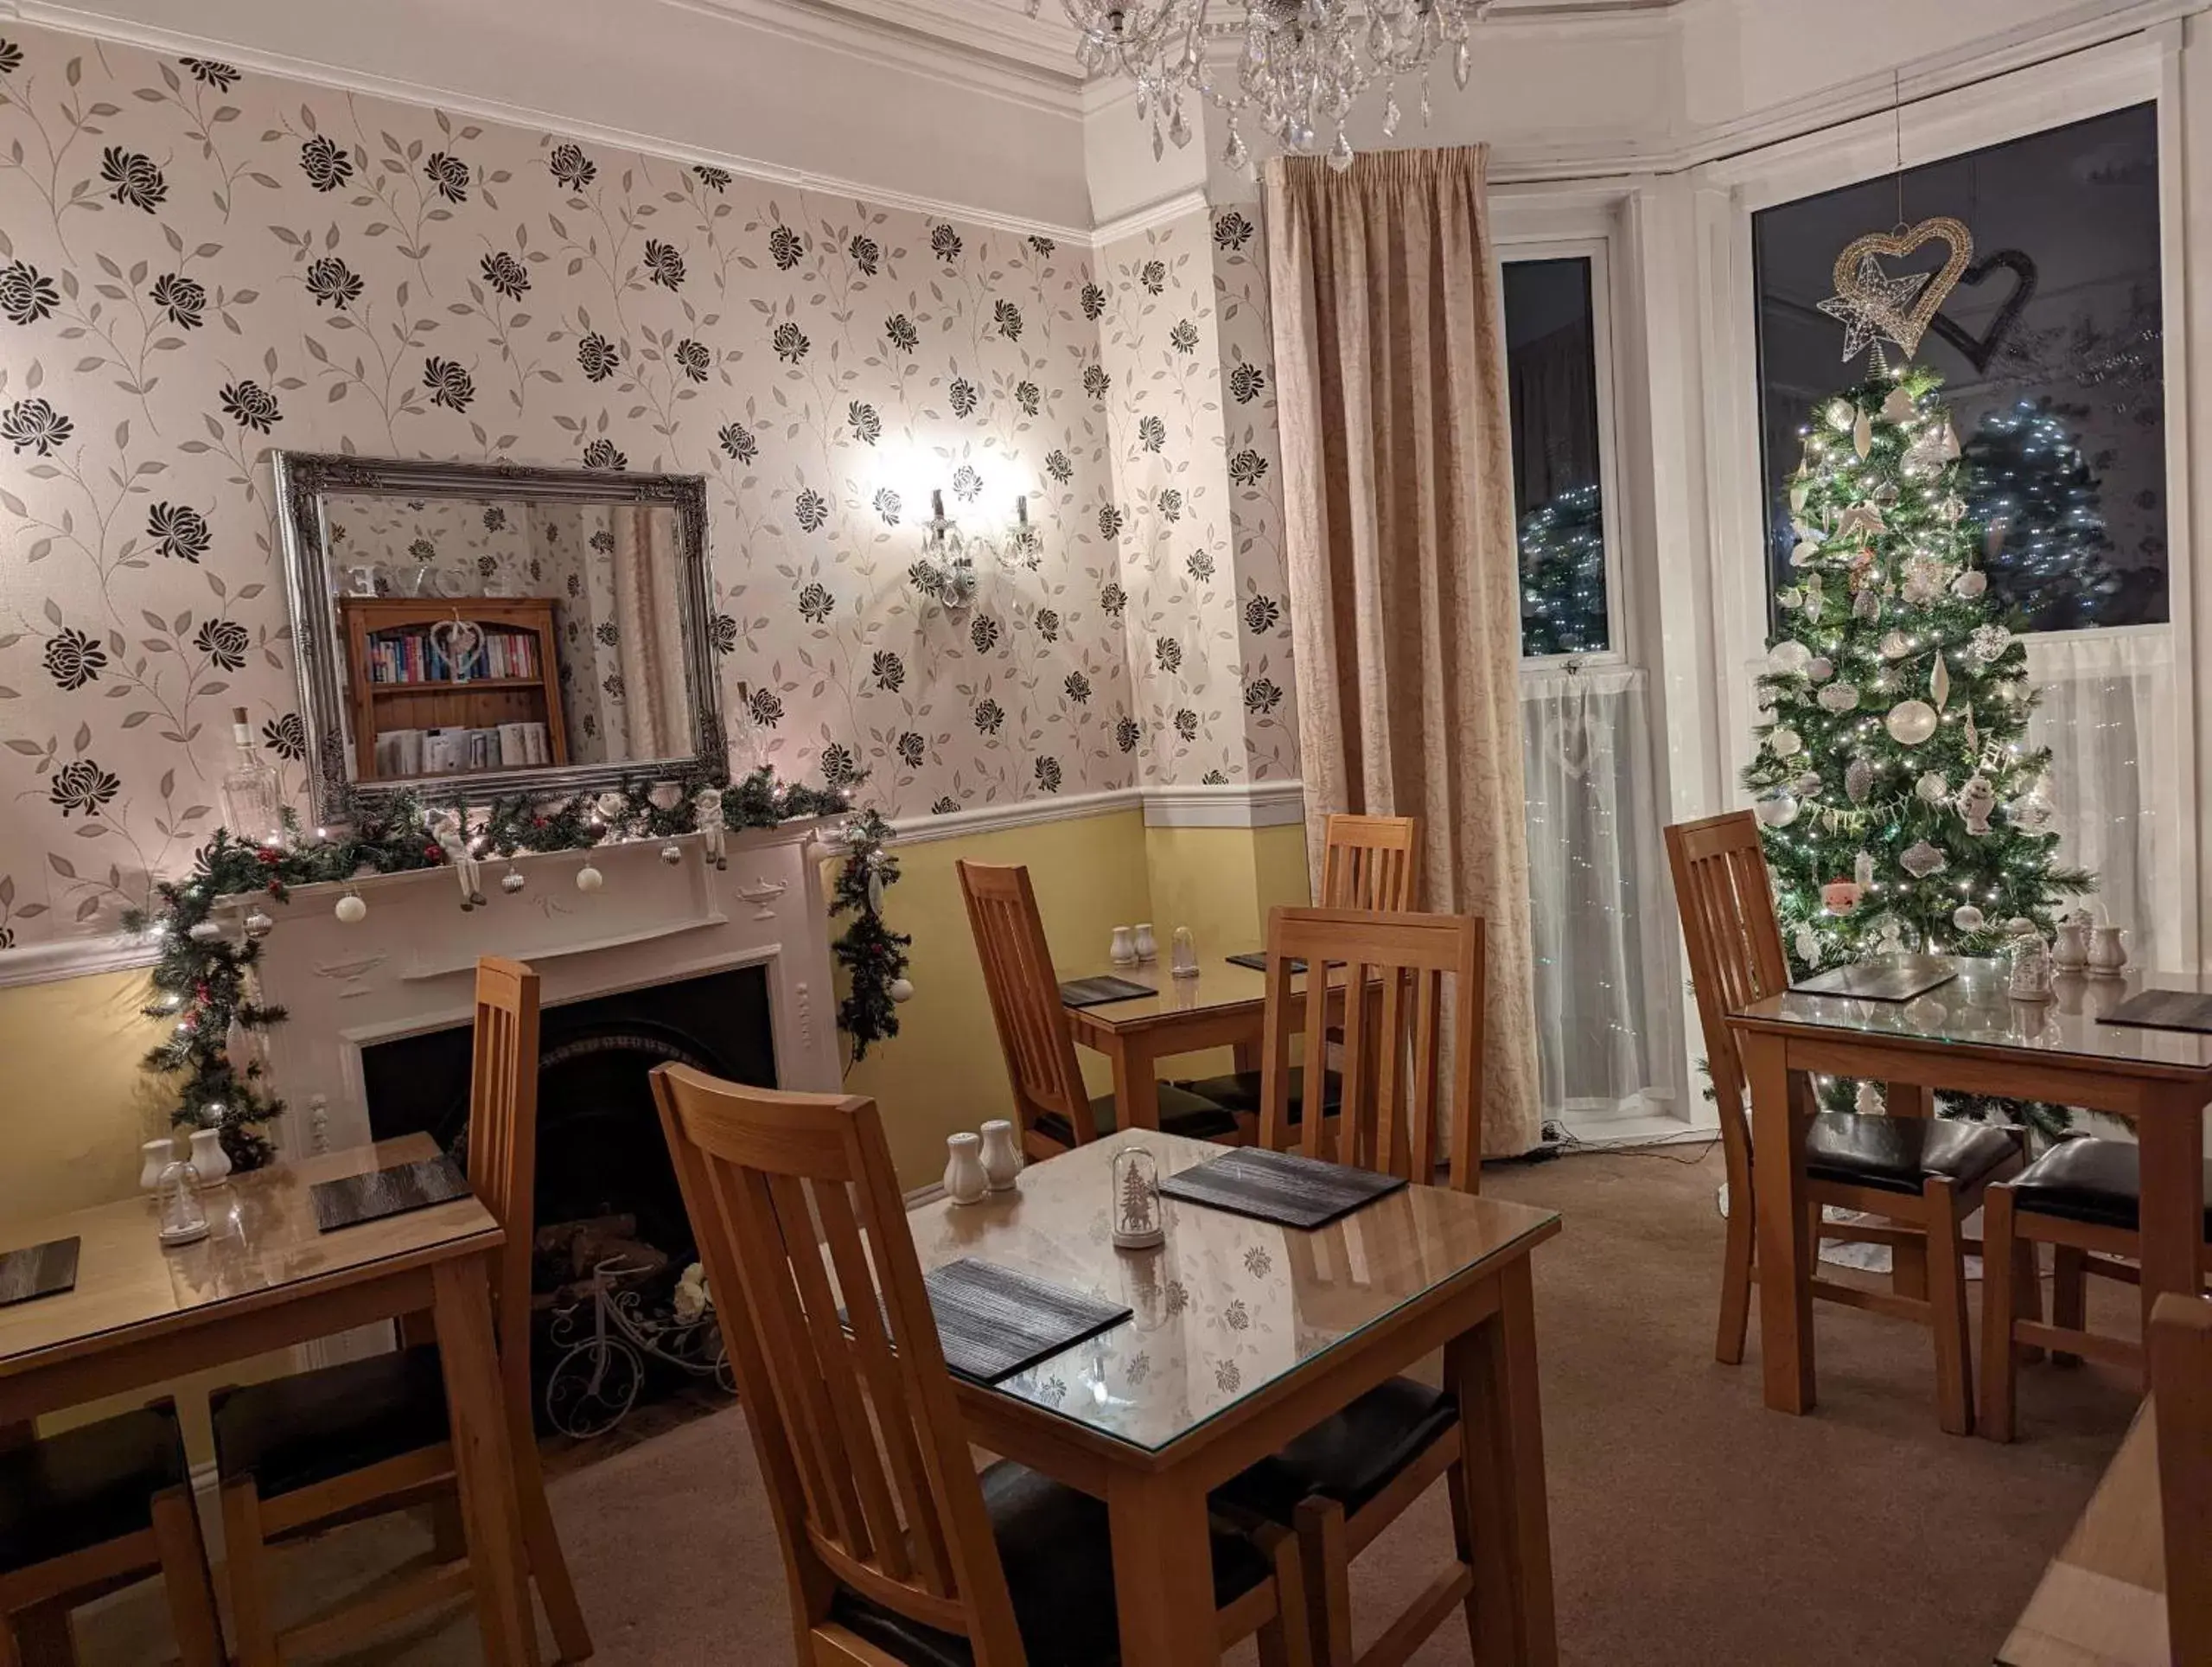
(462, 641)
(1905, 328)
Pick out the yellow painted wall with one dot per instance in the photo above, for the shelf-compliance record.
(74, 1106)
(943, 1073)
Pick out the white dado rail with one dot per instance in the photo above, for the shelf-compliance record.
(408, 965)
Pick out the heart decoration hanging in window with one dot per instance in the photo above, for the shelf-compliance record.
(1874, 302)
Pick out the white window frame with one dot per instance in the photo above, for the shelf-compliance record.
(1597, 249)
(2144, 68)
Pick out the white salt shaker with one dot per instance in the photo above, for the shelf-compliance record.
(209, 1161)
(964, 1181)
(1148, 947)
(1002, 1155)
(2069, 951)
(1124, 952)
(156, 1155)
(2107, 951)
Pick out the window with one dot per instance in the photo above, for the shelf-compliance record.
(2051, 350)
(1558, 498)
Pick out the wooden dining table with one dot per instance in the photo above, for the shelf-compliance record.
(1969, 1036)
(1222, 1004)
(1242, 1336)
(264, 1278)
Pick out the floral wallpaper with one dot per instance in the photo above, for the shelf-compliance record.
(1255, 493)
(1185, 360)
(198, 264)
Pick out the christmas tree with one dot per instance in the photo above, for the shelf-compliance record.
(1903, 810)
(2042, 509)
(1563, 574)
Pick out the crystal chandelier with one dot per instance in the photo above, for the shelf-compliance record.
(1303, 64)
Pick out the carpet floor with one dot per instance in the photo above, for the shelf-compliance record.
(1689, 1525)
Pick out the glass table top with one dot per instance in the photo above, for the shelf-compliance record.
(1973, 1008)
(1228, 1305)
(1218, 983)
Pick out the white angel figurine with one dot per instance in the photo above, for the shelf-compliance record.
(452, 836)
(708, 803)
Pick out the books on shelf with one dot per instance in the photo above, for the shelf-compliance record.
(456, 750)
(413, 655)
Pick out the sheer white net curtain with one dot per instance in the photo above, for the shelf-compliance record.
(1608, 996)
(2106, 714)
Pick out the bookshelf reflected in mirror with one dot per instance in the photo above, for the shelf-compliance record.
(463, 685)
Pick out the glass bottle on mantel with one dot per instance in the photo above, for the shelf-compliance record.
(253, 799)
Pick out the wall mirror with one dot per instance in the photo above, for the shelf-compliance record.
(470, 631)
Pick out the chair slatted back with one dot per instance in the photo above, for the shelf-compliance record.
(1730, 930)
(1370, 862)
(1397, 1098)
(2181, 1395)
(503, 1147)
(1033, 1031)
(845, 1385)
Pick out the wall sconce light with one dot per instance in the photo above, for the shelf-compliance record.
(945, 574)
(1025, 547)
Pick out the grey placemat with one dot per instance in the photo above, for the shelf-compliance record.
(353, 1199)
(38, 1270)
(1895, 978)
(1281, 1187)
(1257, 959)
(2163, 1010)
(1096, 992)
(992, 1322)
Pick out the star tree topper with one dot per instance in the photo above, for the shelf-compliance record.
(1877, 307)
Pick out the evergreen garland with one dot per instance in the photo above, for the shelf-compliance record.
(203, 978)
(873, 955)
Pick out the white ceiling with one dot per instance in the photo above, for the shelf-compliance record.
(1046, 44)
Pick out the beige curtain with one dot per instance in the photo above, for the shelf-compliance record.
(649, 608)
(1398, 495)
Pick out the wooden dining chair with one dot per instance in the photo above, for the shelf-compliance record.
(1054, 1109)
(2083, 1198)
(1925, 1174)
(1368, 862)
(895, 1548)
(98, 1507)
(301, 1453)
(1348, 1479)
(2181, 1401)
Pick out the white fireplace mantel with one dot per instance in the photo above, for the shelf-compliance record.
(407, 966)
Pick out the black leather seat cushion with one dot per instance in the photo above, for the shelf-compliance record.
(1898, 1154)
(1350, 1456)
(87, 1485)
(2099, 1182)
(1239, 1090)
(1181, 1113)
(1054, 1542)
(292, 1432)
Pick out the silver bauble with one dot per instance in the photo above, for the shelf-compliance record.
(1920, 859)
(1933, 789)
(671, 853)
(513, 881)
(1784, 742)
(1911, 722)
(1967, 918)
(1819, 669)
(1840, 697)
(1790, 656)
(1778, 809)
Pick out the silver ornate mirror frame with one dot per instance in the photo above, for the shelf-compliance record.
(304, 480)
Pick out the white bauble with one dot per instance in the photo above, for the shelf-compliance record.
(1920, 860)
(1894, 645)
(1911, 722)
(900, 990)
(1819, 669)
(1840, 697)
(1790, 656)
(1933, 789)
(1806, 785)
(589, 878)
(671, 853)
(1785, 742)
(351, 910)
(1989, 642)
(1967, 918)
(613, 807)
(1970, 584)
(1778, 809)
(1841, 414)
(512, 881)
(206, 931)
